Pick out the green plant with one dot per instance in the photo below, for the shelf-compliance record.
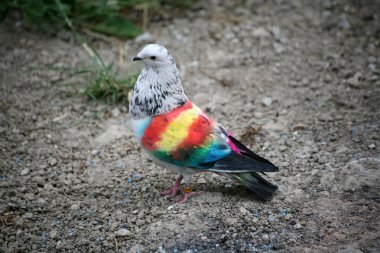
(104, 82)
(103, 16)
(107, 86)
(110, 17)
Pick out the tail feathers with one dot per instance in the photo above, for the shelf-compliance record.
(255, 183)
(246, 151)
(235, 163)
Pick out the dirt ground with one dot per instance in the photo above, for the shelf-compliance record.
(297, 81)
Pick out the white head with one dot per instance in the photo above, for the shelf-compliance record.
(154, 55)
(158, 88)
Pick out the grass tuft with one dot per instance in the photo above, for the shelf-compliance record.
(105, 85)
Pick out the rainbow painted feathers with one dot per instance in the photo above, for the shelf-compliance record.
(180, 136)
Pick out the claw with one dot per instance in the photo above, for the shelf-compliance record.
(186, 190)
(186, 196)
(172, 192)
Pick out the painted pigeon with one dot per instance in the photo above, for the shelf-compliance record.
(178, 135)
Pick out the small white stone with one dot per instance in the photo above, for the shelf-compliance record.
(265, 237)
(372, 146)
(52, 161)
(243, 210)
(260, 33)
(25, 172)
(115, 112)
(74, 207)
(267, 101)
(278, 35)
(95, 152)
(271, 218)
(41, 201)
(27, 215)
(123, 232)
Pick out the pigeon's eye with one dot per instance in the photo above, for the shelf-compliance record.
(153, 57)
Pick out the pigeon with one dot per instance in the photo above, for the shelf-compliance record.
(178, 135)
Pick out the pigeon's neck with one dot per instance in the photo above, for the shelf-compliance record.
(158, 90)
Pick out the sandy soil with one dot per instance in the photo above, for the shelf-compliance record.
(306, 75)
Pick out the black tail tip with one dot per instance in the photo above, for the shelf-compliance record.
(263, 189)
(264, 192)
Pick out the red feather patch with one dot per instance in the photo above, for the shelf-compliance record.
(158, 125)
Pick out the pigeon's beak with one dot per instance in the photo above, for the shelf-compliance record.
(137, 59)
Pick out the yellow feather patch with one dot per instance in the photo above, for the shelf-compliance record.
(177, 130)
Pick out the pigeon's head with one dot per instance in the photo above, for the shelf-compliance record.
(154, 55)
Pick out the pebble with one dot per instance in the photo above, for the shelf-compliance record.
(25, 172)
(74, 207)
(243, 210)
(371, 59)
(277, 34)
(95, 151)
(326, 117)
(299, 127)
(305, 81)
(260, 33)
(267, 101)
(123, 232)
(372, 67)
(53, 234)
(354, 81)
(344, 24)
(297, 226)
(41, 201)
(27, 215)
(271, 218)
(265, 237)
(52, 161)
(372, 146)
(115, 112)
(70, 232)
(141, 215)
(29, 196)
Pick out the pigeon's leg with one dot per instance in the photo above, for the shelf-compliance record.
(187, 191)
(174, 189)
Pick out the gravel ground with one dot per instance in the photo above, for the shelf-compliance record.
(297, 81)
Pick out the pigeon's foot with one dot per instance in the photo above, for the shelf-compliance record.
(172, 192)
(187, 193)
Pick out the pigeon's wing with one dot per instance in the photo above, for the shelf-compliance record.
(187, 137)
